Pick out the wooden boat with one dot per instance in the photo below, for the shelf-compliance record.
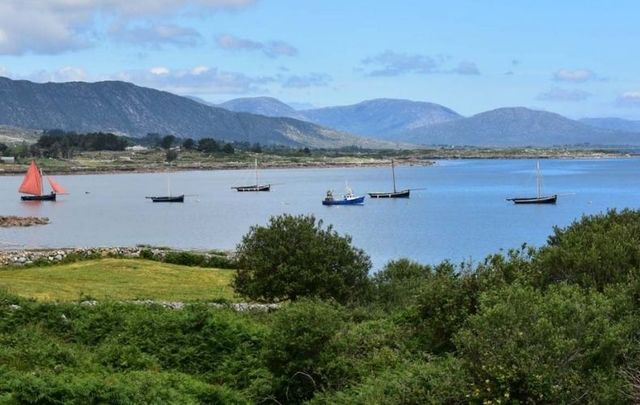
(391, 194)
(347, 199)
(254, 187)
(32, 185)
(538, 199)
(172, 199)
(167, 198)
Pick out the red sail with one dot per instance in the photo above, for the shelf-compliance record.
(56, 187)
(32, 183)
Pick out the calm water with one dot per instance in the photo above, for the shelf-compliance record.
(461, 215)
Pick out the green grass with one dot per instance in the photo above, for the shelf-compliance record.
(118, 279)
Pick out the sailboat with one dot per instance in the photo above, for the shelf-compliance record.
(347, 199)
(32, 185)
(168, 198)
(539, 199)
(391, 194)
(254, 187)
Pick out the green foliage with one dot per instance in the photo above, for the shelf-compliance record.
(559, 346)
(593, 252)
(446, 301)
(397, 285)
(295, 349)
(441, 381)
(171, 155)
(294, 256)
(189, 144)
(167, 141)
(58, 143)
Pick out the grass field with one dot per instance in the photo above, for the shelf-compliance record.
(118, 279)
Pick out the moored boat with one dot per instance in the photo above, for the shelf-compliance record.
(172, 199)
(391, 194)
(167, 198)
(539, 198)
(32, 185)
(347, 199)
(254, 187)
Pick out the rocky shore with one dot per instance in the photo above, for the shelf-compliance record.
(11, 221)
(29, 256)
(26, 257)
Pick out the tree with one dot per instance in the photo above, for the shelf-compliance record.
(208, 145)
(189, 144)
(3, 148)
(228, 148)
(171, 155)
(294, 256)
(167, 141)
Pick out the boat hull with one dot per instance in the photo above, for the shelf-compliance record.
(535, 200)
(390, 194)
(345, 201)
(257, 187)
(44, 197)
(168, 199)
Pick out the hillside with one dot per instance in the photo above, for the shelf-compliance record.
(129, 109)
(617, 124)
(386, 119)
(518, 126)
(269, 106)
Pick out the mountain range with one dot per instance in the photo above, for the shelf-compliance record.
(433, 124)
(125, 108)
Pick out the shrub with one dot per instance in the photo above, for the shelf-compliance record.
(564, 345)
(295, 349)
(593, 252)
(397, 285)
(294, 256)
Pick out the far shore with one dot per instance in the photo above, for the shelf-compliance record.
(152, 161)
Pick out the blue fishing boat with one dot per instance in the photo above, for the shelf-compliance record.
(347, 199)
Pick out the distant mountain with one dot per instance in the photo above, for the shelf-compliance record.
(381, 118)
(617, 124)
(128, 109)
(518, 126)
(269, 106)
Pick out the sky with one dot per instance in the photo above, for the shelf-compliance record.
(576, 58)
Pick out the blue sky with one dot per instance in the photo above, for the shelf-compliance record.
(577, 58)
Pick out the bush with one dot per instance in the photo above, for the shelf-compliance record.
(446, 301)
(294, 256)
(564, 345)
(397, 285)
(295, 349)
(593, 252)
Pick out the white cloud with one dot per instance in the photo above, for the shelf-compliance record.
(199, 80)
(198, 70)
(629, 99)
(574, 75)
(54, 26)
(159, 71)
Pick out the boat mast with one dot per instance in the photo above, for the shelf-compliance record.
(538, 177)
(256, 165)
(393, 171)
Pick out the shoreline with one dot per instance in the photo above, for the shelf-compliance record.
(424, 161)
